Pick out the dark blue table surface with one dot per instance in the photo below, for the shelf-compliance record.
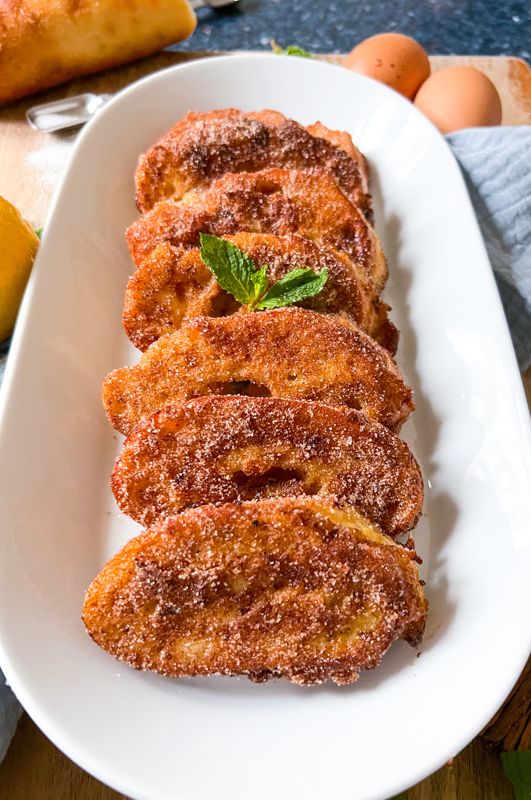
(441, 26)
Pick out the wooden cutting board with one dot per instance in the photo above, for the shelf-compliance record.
(30, 166)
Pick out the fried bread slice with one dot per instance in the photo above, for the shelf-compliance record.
(287, 352)
(343, 140)
(173, 284)
(202, 147)
(277, 201)
(221, 449)
(277, 588)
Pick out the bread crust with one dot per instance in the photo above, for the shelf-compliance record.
(47, 42)
(288, 587)
(287, 352)
(221, 449)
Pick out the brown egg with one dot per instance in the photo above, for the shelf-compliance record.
(459, 97)
(393, 59)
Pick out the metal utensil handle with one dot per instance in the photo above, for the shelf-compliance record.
(212, 3)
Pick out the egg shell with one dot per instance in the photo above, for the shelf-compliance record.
(391, 58)
(459, 97)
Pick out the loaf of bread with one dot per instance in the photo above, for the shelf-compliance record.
(46, 42)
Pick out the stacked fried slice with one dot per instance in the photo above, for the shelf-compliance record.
(262, 450)
(288, 587)
(221, 449)
(274, 201)
(173, 284)
(202, 147)
(287, 352)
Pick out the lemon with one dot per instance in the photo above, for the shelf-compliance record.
(18, 245)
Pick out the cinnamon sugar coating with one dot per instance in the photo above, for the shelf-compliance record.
(202, 147)
(277, 201)
(173, 284)
(278, 588)
(262, 446)
(287, 352)
(222, 449)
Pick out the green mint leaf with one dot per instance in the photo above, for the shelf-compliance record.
(297, 285)
(38, 231)
(236, 273)
(517, 767)
(290, 50)
(233, 269)
(294, 50)
(260, 284)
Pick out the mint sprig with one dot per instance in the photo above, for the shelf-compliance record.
(290, 50)
(237, 274)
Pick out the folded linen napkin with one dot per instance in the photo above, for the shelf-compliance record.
(497, 170)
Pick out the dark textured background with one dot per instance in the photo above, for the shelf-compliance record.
(441, 26)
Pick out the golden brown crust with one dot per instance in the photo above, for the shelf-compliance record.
(202, 147)
(288, 352)
(173, 284)
(222, 449)
(288, 587)
(46, 42)
(343, 140)
(276, 201)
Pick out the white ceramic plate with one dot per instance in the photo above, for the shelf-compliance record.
(157, 739)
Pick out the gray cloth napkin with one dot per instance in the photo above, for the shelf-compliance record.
(496, 163)
(10, 712)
